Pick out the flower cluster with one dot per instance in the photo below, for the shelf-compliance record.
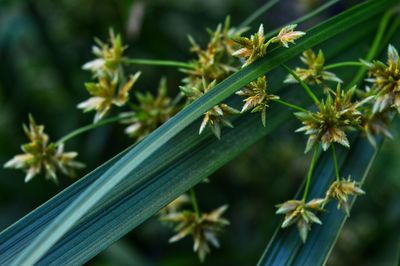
(111, 86)
(301, 213)
(149, 112)
(257, 98)
(385, 81)
(203, 228)
(216, 116)
(334, 117)
(315, 73)
(41, 154)
(255, 47)
(341, 190)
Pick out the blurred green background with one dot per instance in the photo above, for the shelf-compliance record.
(43, 45)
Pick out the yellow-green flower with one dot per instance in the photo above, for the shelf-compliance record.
(341, 190)
(215, 61)
(385, 81)
(203, 228)
(105, 93)
(253, 48)
(257, 98)
(301, 213)
(334, 117)
(216, 116)
(108, 55)
(149, 113)
(315, 73)
(287, 35)
(41, 155)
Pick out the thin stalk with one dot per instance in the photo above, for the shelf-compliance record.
(152, 62)
(373, 51)
(194, 202)
(310, 172)
(303, 84)
(305, 17)
(335, 162)
(83, 129)
(344, 64)
(256, 14)
(293, 106)
(390, 32)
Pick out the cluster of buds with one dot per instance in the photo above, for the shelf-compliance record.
(213, 64)
(257, 98)
(216, 116)
(256, 46)
(334, 117)
(42, 155)
(202, 227)
(315, 72)
(149, 112)
(111, 86)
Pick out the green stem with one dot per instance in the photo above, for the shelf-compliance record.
(304, 18)
(372, 53)
(87, 128)
(303, 84)
(151, 62)
(310, 172)
(194, 202)
(344, 64)
(264, 8)
(335, 162)
(293, 106)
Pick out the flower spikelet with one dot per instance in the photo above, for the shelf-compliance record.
(39, 154)
(315, 73)
(203, 228)
(287, 35)
(257, 98)
(385, 79)
(216, 116)
(149, 112)
(334, 117)
(301, 213)
(341, 190)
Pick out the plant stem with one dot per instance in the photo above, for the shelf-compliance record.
(264, 8)
(335, 162)
(344, 64)
(151, 62)
(310, 172)
(303, 84)
(83, 129)
(293, 106)
(372, 53)
(194, 202)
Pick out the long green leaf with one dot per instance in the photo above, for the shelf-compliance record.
(132, 161)
(286, 248)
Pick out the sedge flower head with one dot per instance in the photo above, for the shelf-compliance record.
(202, 228)
(341, 190)
(334, 117)
(256, 97)
(287, 35)
(175, 205)
(108, 55)
(215, 61)
(107, 92)
(385, 79)
(216, 116)
(149, 112)
(315, 73)
(42, 155)
(253, 48)
(301, 213)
